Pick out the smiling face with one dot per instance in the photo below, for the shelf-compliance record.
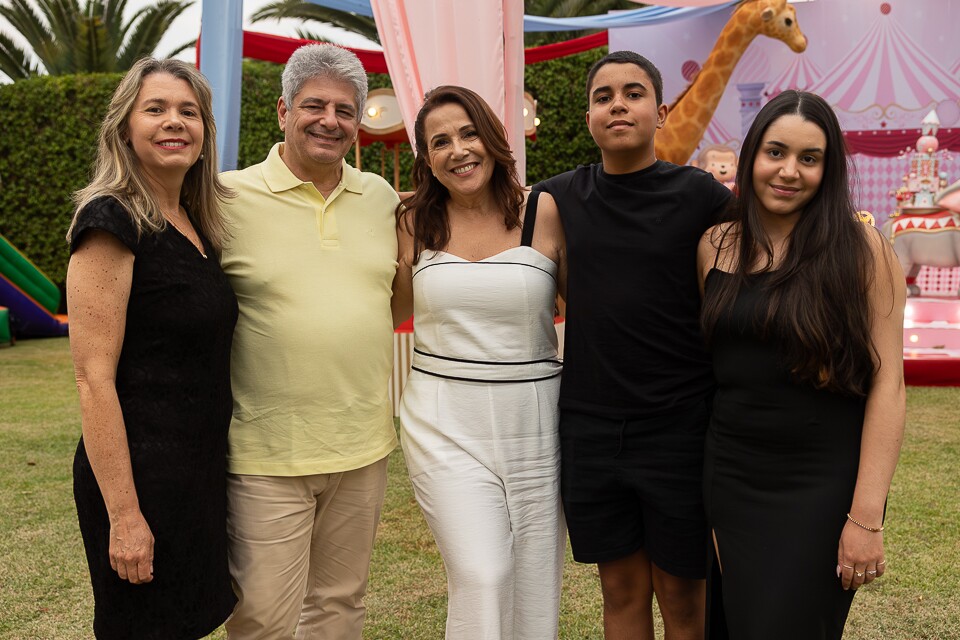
(624, 116)
(164, 127)
(457, 156)
(319, 127)
(788, 167)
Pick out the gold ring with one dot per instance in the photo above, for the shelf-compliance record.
(881, 562)
(859, 574)
(846, 566)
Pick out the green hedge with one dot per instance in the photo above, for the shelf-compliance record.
(49, 128)
(563, 141)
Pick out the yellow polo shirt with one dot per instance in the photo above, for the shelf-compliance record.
(313, 348)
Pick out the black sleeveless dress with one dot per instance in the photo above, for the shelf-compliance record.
(780, 468)
(173, 382)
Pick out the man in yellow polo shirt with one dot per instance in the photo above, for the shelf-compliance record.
(312, 257)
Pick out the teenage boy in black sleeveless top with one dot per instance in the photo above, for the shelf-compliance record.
(636, 379)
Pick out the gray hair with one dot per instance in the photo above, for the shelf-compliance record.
(324, 61)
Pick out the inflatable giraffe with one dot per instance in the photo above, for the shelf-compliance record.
(692, 110)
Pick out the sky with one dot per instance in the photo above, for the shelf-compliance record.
(189, 23)
(187, 27)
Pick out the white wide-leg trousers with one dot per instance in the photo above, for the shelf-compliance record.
(484, 461)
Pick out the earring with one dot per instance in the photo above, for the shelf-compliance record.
(201, 156)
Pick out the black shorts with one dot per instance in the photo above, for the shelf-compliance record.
(636, 484)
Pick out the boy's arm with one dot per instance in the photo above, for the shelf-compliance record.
(720, 197)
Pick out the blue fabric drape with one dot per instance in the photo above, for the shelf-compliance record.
(632, 18)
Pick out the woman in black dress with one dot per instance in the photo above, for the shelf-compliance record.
(151, 321)
(803, 309)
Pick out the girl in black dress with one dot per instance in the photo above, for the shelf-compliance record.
(803, 309)
(151, 321)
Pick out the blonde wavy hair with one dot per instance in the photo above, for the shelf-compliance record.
(116, 170)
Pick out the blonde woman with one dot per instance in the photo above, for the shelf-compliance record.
(151, 321)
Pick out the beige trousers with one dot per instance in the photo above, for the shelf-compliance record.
(300, 551)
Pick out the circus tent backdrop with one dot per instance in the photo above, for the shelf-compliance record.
(887, 79)
(883, 66)
(801, 74)
(717, 134)
(752, 65)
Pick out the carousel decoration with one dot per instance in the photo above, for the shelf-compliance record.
(923, 230)
(924, 180)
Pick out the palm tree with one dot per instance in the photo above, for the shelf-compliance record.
(300, 10)
(65, 38)
(366, 26)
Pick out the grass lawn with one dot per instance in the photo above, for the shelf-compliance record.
(45, 592)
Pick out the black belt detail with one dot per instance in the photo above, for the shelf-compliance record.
(451, 359)
(460, 379)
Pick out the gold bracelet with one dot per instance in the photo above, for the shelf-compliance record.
(863, 526)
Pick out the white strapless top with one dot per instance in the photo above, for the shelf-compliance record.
(486, 321)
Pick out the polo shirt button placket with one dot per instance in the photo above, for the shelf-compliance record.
(329, 236)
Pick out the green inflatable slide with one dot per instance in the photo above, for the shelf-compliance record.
(29, 298)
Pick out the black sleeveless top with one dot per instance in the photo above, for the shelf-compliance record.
(632, 345)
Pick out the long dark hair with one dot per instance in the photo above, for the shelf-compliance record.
(431, 229)
(817, 306)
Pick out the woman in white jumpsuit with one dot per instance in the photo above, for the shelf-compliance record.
(479, 410)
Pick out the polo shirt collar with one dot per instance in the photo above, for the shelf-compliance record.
(279, 177)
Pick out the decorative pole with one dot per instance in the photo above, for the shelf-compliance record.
(751, 99)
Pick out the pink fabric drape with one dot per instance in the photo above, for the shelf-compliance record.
(473, 43)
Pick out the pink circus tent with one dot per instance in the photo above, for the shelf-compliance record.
(886, 68)
(716, 134)
(754, 66)
(801, 74)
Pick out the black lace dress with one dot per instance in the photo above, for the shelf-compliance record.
(173, 382)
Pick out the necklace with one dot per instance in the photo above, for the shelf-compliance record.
(177, 227)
